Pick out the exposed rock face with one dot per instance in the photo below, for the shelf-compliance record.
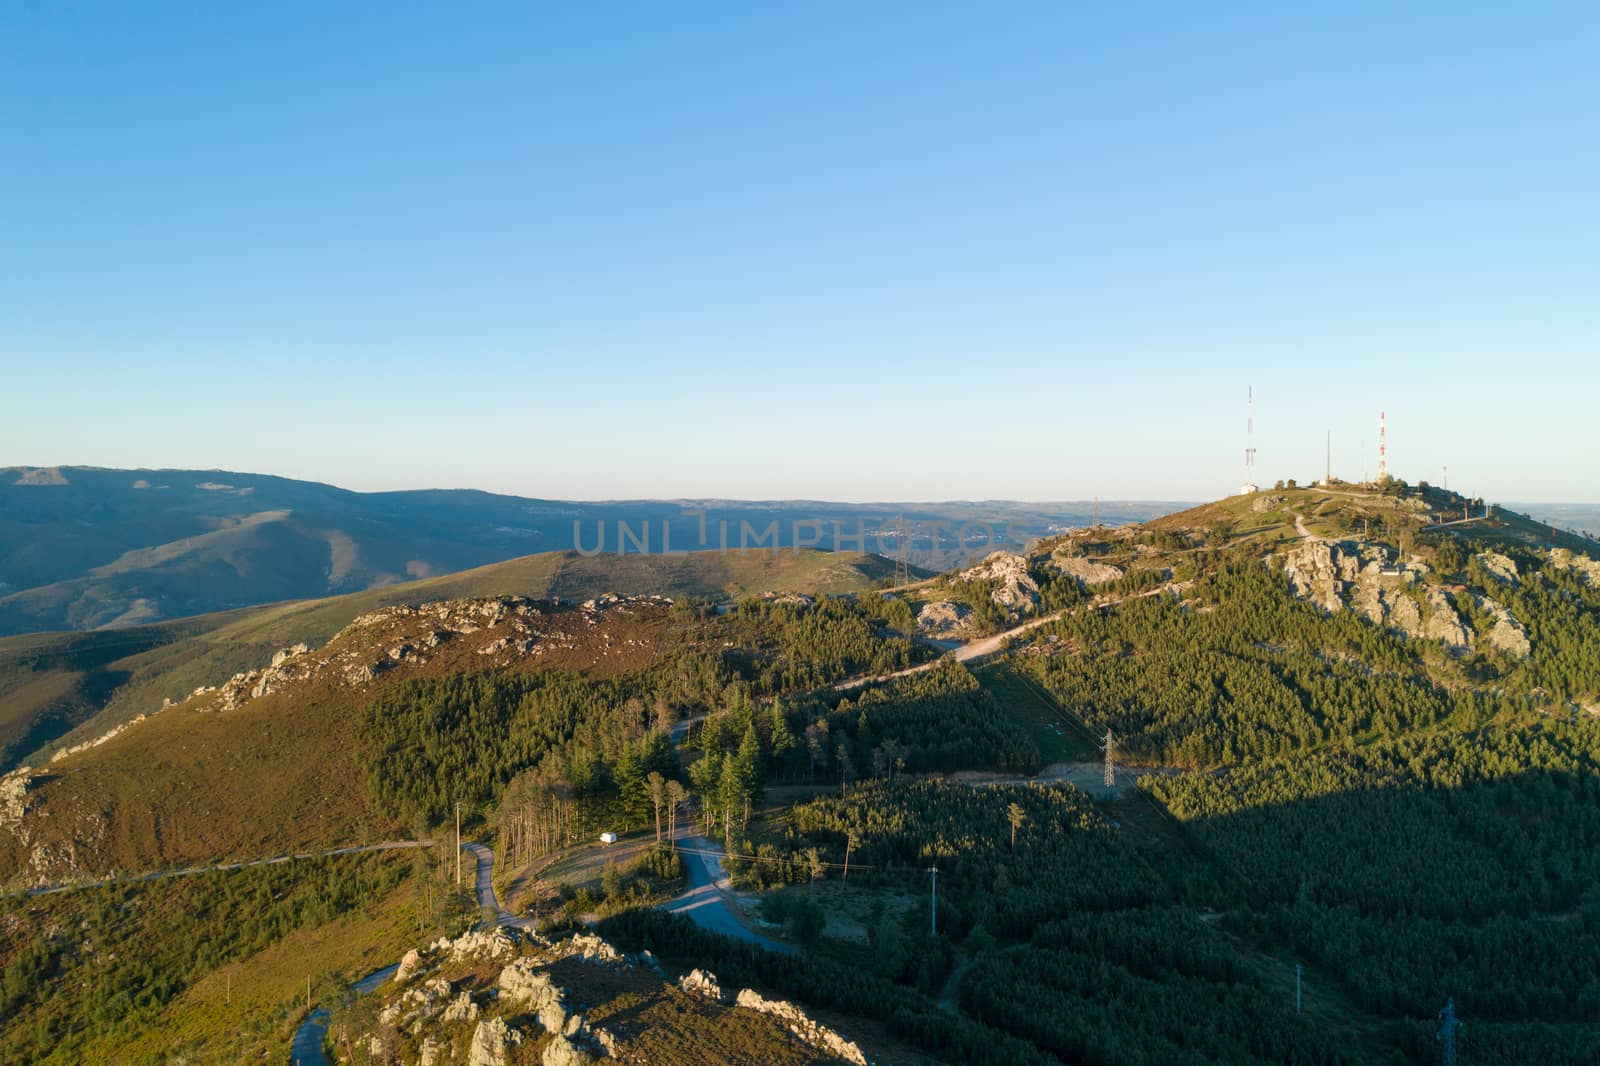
(701, 983)
(563, 1052)
(942, 617)
(461, 1009)
(1014, 589)
(593, 949)
(525, 985)
(801, 1025)
(14, 796)
(1086, 571)
(418, 1004)
(1506, 634)
(476, 944)
(1586, 567)
(433, 1053)
(1376, 585)
(409, 964)
(492, 1043)
(1498, 567)
(1443, 623)
(1321, 571)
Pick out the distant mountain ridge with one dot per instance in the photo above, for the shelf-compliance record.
(90, 547)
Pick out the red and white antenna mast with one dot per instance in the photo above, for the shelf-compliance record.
(1383, 451)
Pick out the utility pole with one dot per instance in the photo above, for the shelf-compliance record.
(308, 993)
(1111, 770)
(933, 904)
(458, 843)
(1449, 1025)
(1297, 969)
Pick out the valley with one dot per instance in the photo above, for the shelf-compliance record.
(1348, 739)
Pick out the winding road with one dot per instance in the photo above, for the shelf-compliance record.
(706, 901)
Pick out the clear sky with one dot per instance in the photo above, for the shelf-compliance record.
(842, 250)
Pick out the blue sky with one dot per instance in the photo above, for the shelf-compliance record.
(853, 251)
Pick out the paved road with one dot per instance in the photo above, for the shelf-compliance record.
(483, 886)
(705, 902)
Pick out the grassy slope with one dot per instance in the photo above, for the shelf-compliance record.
(244, 1008)
(58, 689)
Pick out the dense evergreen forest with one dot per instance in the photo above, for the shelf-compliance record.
(1240, 669)
(100, 968)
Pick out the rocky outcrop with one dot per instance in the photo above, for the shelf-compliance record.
(1588, 569)
(1014, 589)
(591, 948)
(492, 1043)
(461, 1009)
(409, 964)
(418, 1004)
(14, 796)
(943, 618)
(701, 983)
(1085, 571)
(477, 945)
(1499, 567)
(526, 986)
(1372, 581)
(801, 1025)
(563, 1051)
(1505, 634)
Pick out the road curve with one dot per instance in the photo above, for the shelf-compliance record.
(705, 902)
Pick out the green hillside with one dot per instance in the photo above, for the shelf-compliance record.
(61, 688)
(1355, 739)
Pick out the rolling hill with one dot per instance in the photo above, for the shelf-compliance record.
(58, 688)
(91, 548)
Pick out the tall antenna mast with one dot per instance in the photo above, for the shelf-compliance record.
(1327, 477)
(1249, 485)
(1449, 1026)
(1383, 451)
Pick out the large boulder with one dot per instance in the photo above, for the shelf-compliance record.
(1505, 634)
(562, 1051)
(1587, 568)
(1499, 567)
(1014, 588)
(701, 983)
(1085, 571)
(942, 618)
(526, 986)
(409, 964)
(492, 1043)
(461, 1009)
